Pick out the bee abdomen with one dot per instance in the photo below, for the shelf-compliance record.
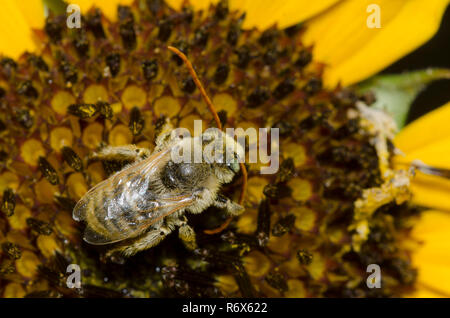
(112, 217)
(93, 237)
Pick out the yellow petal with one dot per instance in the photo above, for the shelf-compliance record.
(424, 291)
(431, 191)
(424, 130)
(16, 35)
(428, 190)
(198, 4)
(109, 8)
(353, 51)
(264, 13)
(433, 257)
(435, 153)
(33, 12)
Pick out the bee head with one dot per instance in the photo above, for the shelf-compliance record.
(223, 153)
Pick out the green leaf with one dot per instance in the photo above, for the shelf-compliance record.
(396, 92)
(55, 6)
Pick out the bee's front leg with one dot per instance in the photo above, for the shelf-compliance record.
(167, 135)
(164, 135)
(121, 153)
(232, 208)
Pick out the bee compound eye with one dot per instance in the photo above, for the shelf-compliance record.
(233, 166)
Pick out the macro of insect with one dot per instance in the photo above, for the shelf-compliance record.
(146, 200)
(88, 131)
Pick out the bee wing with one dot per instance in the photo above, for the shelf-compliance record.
(143, 220)
(115, 183)
(123, 206)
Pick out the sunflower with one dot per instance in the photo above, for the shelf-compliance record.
(340, 201)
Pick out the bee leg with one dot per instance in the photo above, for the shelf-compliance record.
(121, 153)
(166, 136)
(187, 236)
(232, 208)
(148, 240)
(185, 232)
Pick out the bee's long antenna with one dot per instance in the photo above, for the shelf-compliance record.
(219, 125)
(198, 84)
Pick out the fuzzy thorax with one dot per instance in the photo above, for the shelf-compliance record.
(212, 147)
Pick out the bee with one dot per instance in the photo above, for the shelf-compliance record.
(138, 206)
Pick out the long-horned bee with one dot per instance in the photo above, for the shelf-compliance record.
(141, 204)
